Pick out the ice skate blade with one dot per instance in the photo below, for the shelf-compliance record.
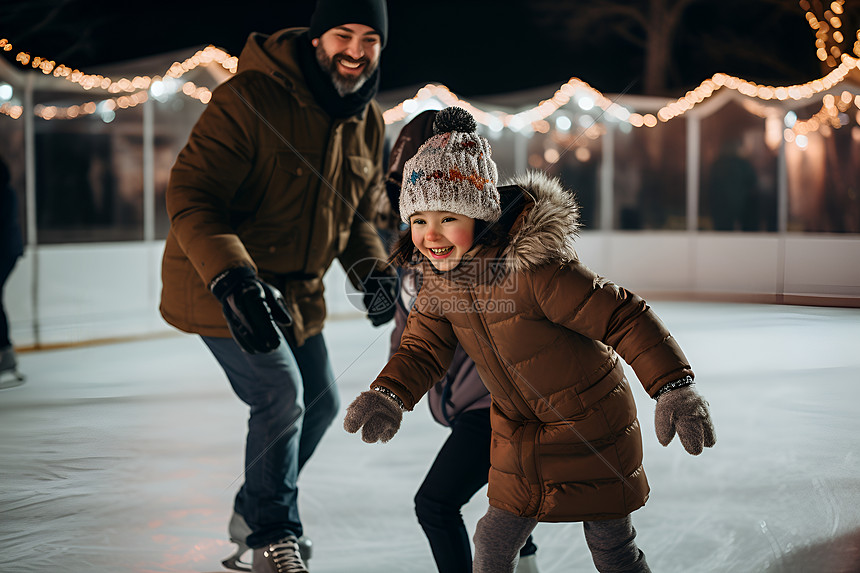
(11, 379)
(235, 562)
(306, 549)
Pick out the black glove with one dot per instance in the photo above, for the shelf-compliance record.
(252, 309)
(380, 296)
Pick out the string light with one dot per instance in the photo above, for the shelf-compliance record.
(584, 95)
(830, 115)
(828, 28)
(203, 57)
(674, 109)
(12, 110)
(136, 87)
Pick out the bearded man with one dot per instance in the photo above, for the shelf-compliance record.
(279, 177)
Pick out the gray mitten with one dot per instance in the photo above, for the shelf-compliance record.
(375, 414)
(684, 410)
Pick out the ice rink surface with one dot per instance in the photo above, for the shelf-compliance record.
(125, 458)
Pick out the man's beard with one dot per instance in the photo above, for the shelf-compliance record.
(344, 85)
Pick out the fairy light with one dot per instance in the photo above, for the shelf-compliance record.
(587, 97)
(137, 85)
(402, 110)
(574, 90)
(827, 26)
(541, 126)
(12, 110)
(827, 118)
(582, 154)
(551, 155)
(562, 123)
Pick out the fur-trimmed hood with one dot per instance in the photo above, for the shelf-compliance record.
(540, 219)
(547, 227)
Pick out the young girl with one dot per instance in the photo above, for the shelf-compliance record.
(459, 401)
(545, 332)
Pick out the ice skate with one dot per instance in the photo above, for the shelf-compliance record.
(280, 557)
(306, 549)
(9, 375)
(239, 532)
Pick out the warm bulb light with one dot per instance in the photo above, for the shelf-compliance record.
(574, 89)
(551, 155)
(562, 123)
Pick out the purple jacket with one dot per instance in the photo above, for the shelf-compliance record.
(461, 389)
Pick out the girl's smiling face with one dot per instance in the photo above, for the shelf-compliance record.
(442, 237)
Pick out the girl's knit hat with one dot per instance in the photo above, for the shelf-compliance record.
(453, 171)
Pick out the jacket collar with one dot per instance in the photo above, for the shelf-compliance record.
(547, 226)
(276, 55)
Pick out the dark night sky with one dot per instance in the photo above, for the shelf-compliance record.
(474, 47)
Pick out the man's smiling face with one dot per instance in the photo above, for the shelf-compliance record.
(350, 55)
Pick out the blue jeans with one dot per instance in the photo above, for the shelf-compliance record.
(293, 401)
(6, 266)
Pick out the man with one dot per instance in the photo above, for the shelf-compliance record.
(278, 178)
(11, 248)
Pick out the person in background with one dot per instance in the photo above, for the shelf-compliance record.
(11, 248)
(547, 335)
(732, 189)
(279, 178)
(459, 401)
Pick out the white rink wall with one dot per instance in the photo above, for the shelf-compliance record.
(66, 294)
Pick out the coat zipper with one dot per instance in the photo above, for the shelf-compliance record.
(492, 344)
(534, 435)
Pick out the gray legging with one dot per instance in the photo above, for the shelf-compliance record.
(500, 534)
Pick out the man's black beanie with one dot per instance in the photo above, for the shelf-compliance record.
(331, 13)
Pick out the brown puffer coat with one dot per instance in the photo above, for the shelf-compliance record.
(269, 180)
(544, 331)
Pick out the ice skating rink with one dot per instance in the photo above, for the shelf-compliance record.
(125, 457)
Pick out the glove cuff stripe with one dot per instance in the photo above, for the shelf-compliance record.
(386, 392)
(680, 383)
